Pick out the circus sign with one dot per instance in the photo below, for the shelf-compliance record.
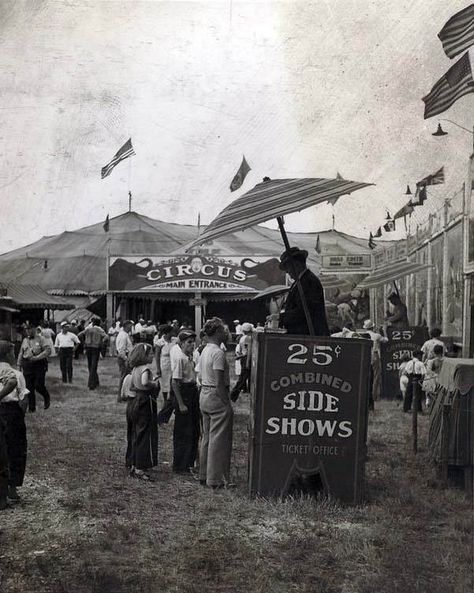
(191, 273)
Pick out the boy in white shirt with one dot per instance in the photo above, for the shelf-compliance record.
(415, 370)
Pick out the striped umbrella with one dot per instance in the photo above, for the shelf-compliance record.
(274, 199)
(390, 273)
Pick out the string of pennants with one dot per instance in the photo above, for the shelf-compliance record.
(419, 199)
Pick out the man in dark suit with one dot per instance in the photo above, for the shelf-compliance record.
(293, 316)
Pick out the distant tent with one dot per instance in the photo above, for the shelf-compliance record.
(77, 259)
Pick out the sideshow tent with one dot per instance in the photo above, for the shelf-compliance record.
(73, 263)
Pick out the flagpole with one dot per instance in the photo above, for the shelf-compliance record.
(284, 236)
(129, 185)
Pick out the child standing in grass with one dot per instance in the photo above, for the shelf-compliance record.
(415, 370)
(142, 424)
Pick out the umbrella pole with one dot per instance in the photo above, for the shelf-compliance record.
(284, 236)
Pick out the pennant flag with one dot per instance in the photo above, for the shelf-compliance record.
(240, 175)
(106, 224)
(458, 33)
(338, 175)
(405, 211)
(388, 217)
(434, 179)
(122, 154)
(318, 245)
(456, 83)
(379, 232)
(389, 226)
(372, 243)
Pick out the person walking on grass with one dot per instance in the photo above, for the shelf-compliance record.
(33, 361)
(216, 408)
(12, 414)
(243, 352)
(186, 403)
(94, 339)
(142, 425)
(163, 343)
(8, 383)
(65, 343)
(123, 345)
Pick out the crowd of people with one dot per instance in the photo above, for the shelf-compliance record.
(190, 373)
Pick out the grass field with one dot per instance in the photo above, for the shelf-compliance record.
(83, 526)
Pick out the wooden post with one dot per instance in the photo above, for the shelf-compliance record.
(309, 321)
(414, 416)
(197, 314)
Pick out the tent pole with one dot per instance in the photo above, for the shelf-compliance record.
(284, 236)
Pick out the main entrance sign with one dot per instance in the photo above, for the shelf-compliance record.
(308, 420)
(131, 273)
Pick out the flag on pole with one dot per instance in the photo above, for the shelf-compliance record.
(453, 85)
(122, 154)
(405, 211)
(317, 247)
(458, 33)
(378, 233)
(389, 226)
(106, 224)
(240, 176)
(372, 244)
(420, 196)
(434, 179)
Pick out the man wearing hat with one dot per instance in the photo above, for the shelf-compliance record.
(65, 343)
(293, 262)
(377, 340)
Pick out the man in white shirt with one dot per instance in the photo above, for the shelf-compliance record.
(377, 340)
(65, 344)
(123, 345)
(186, 403)
(428, 346)
(238, 329)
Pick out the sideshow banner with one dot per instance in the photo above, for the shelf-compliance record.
(454, 287)
(308, 421)
(437, 287)
(191, 273)
(401, 342)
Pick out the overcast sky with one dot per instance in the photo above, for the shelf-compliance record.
(302, 89)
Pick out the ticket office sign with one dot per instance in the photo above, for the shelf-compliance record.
(401, 342)
(309, 414)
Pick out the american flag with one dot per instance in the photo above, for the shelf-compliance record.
(458, 33)
(434, 179)
(123, 153)
(456, 83)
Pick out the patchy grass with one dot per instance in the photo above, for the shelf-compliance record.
(85, 527)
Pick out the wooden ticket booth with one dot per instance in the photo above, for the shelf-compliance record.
(308, 417)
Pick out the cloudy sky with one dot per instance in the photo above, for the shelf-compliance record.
(300, 88)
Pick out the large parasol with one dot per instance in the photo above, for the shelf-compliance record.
(274, 199)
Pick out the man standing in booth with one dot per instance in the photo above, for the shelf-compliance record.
(293, 261)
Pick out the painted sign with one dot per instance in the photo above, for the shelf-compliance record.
(346, 262)
(308, 415)
(191, 273)
(401, 342)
